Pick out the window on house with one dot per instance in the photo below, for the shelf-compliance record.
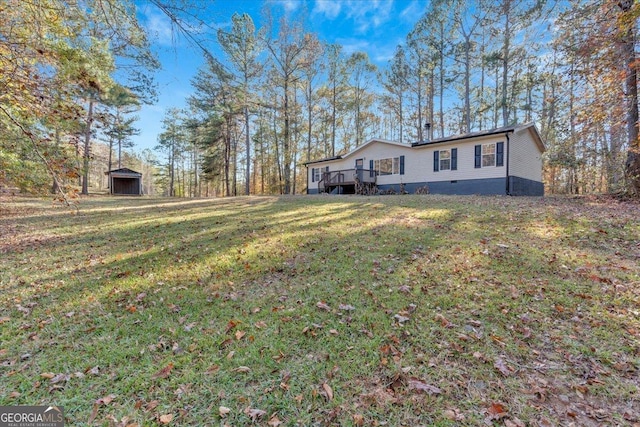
(390, 166)
(316, 174)
(445, 160)
(386, 167)
(491, 154)
(488, 155)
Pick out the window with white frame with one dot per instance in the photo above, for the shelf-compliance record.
(390, 166)
(316, 174)
(488, 155)
(445, 160)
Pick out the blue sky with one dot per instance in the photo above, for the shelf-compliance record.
(373, 26)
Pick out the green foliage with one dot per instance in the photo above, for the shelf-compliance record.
(57, 57)
(28, 175)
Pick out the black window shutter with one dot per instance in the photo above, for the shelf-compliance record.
(313, 174)
(401, 165)
(478, 156)
(436, 161)
(371, 171)
(454, 159)
(326, 169)
(500, 154)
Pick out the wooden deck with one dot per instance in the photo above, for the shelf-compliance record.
(348, 181)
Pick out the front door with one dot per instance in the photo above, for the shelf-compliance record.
(359, 168)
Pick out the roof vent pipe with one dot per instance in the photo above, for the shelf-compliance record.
(427, 129)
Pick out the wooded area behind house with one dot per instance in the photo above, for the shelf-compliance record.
(72, 76)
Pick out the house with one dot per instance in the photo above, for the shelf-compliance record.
(125, 181)
(503, 161)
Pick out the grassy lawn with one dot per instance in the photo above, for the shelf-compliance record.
(318, 311)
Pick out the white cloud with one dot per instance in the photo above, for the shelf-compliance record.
(412, 12)
(369, 14)
(329, 8)
(159, 27)
(290, 5)
(352, 45)
(384, 54)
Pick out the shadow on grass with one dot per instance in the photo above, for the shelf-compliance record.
(137, 285)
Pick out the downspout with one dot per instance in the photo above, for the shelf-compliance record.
(506, 154)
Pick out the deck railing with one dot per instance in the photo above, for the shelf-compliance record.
(347, 177)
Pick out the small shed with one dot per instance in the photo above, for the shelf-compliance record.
(125, 181)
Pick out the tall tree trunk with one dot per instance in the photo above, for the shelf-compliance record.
(467, 83)
(333, 119)
(632, 164)
(54, 185)
(419, 100)
(227, 157)
(87, 149)
(481, 90)
(277, 152)
(172, 169)
(287, 141)
(247, 147)
(431, 101)
(309, 120)
(441, 106)
(572, 180)
(505, 63)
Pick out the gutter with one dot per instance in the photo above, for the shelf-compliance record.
(507, 154)
(499, 131)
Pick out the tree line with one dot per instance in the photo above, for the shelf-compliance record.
(279, 96)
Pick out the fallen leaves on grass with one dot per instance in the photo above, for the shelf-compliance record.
(323, 306)
(327, 391)
(358, 420)
(444, 321)
(496, 411)
(453, 414)
(166, 418)
(514, 422)
(502, 367)
(103, 401)
(274, 421)
(223, 411)
(254, 413)
(164, 372)
(401, 319)
(230, 325)
(422, 387)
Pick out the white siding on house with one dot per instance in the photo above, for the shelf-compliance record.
(374, 150)
(377, 151)
(525, 158)
(524, 151)
(419, 166)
